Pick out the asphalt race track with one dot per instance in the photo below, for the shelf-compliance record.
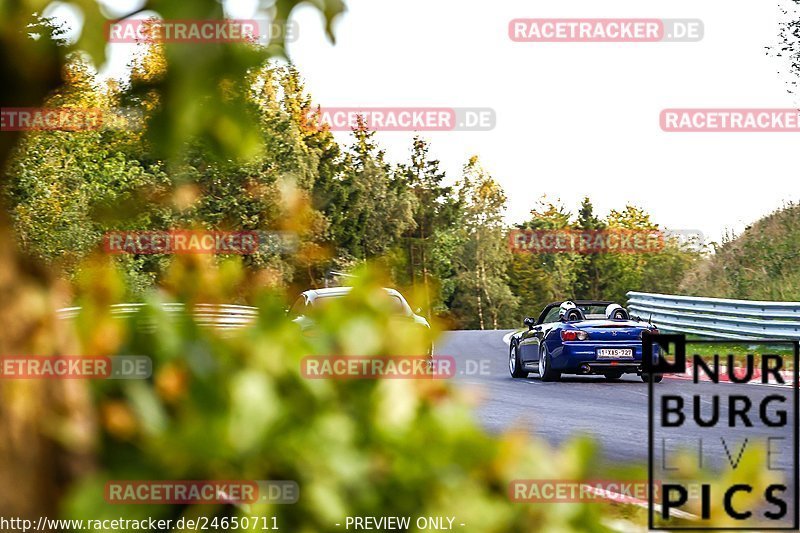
(614, 413)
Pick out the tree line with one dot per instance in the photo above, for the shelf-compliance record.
(442, 239)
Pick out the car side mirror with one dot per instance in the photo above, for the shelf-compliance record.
(528, 321)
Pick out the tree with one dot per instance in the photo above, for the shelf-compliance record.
(539, 278)
(589, 283)
(36, 466)
(788, 46)
(483, 297)
(435, 214)
(554, 276)
(67, 188)
(379, 207)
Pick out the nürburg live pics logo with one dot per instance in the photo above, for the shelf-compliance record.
(723, 434)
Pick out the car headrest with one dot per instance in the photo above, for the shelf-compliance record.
(569, 312)
(617, 312)
(574, 315)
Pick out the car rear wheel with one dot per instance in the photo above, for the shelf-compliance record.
(612, 376)
(514, 364)
(546, 371)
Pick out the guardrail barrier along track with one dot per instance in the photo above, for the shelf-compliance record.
(705, 317)
(718, 317)
(216, 316)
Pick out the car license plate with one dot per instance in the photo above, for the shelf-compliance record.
(615, 353)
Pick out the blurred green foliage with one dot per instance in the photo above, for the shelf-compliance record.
(236, 406)
(763, 263)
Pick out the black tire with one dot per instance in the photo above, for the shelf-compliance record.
(612, 376)
(546, 371)
(514, 364)
(656, 378)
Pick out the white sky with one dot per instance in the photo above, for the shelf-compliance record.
(573, 119)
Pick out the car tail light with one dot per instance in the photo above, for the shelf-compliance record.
(573, 335)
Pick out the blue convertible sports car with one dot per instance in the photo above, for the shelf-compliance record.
(580, 337)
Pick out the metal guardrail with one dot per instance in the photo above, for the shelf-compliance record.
(216, 316)
(718, 317)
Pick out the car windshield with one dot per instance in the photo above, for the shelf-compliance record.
(551, 316)
(321, 302)
(299, 307)
(395, 303)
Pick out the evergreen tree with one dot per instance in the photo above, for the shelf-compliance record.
(379, 207)
(435, 214)
(589, 277)
(483, 298)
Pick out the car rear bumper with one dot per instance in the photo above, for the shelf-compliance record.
(581, 357)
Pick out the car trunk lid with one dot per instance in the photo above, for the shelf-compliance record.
(612, 330)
